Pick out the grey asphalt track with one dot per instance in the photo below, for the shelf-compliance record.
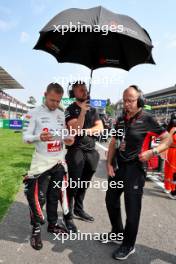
(156, 242)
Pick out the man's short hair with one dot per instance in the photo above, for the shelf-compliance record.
(57, 88)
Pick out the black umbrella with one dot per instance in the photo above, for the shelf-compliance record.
(96, 38)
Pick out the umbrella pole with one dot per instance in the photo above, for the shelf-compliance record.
(90, 81)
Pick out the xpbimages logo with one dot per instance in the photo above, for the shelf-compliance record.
(64, 133)
(94, 184)
(88, 236)
(79, 27)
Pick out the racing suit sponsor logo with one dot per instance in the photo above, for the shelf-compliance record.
(54, 147)
(44, 118)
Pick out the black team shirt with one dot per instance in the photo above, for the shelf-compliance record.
(138, 132)
(84, 142)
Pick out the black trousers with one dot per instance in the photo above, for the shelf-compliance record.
(81, 167)
(133, 176)
(43, 190)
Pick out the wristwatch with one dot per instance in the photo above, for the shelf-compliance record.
(155, 152)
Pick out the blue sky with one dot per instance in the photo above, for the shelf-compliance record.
(21, 20)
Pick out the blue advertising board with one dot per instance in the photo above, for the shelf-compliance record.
(15, 124)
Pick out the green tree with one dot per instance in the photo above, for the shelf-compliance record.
(110, 108)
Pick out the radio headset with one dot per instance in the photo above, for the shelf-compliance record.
(141, 99)
(70, 89)
(140, 104)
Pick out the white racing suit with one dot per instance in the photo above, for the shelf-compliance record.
(48, 166)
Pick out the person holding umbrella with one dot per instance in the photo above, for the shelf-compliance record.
(132, 153)
(82, 158)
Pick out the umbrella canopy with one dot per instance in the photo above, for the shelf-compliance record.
(96, 38)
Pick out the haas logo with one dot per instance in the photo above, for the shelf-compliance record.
(54, 147)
